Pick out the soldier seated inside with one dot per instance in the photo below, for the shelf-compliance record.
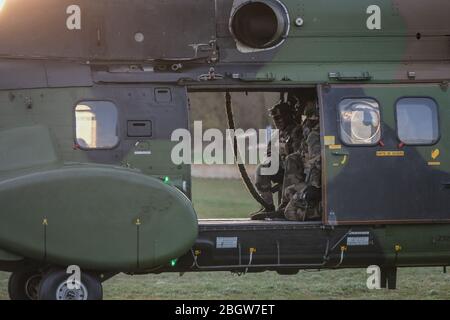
(290, 140)
(303, 186)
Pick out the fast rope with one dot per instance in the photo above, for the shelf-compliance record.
(245, 178)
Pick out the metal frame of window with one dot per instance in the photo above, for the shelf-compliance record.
(438, 121)
(340, 122)
(75, 124)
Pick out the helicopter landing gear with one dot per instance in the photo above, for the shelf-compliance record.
(24, 285)
(389, 278)
(53, 285)
(56, 285)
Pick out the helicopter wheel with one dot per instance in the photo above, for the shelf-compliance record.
(24, 285)
(55, 285)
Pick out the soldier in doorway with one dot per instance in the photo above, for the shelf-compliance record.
(304, 195)
(283, 115)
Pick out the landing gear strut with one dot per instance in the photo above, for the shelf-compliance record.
(389, 277)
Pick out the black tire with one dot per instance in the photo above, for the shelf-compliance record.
(24, 285)
(54, 287)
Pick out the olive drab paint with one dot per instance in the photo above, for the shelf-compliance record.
(128, 205)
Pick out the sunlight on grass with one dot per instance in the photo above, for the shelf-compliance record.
(215, 198)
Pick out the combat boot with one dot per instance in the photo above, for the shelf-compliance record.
(264, 214)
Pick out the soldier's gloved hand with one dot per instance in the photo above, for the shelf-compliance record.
(299, 198)
(312, 194)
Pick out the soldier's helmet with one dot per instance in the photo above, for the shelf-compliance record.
(311, 112)
(281, 110)
(282, 114)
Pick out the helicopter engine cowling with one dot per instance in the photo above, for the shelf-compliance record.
(260, 24)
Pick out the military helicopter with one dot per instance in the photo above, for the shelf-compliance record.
(90, 92)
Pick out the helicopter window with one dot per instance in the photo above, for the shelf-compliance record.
(417, 121)
(96, 125)
(360, 121)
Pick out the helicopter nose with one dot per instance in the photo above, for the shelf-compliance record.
(260, 24)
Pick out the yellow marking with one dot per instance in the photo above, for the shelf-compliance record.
(344, 160)
(138, 222)
(344, 248)
(431, 163)
(335, 147)
(435, 154)
(398, 248)
(45, 222)
(329, 140)
(198, 252)
(390, 153)
(252, 250)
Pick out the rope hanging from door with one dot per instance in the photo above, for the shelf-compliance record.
(243, 171)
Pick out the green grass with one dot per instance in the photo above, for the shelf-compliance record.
(426, 283)
(228, 198)
(214, 198)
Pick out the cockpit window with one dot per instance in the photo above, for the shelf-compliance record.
(96, 125)
(360, 121)
(417, 121)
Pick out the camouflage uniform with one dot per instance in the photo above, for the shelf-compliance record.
(294, 173)
(290, 139)
(304, 191)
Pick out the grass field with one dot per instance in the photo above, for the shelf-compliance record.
(224, 198)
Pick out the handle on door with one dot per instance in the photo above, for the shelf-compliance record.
(340, 153)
